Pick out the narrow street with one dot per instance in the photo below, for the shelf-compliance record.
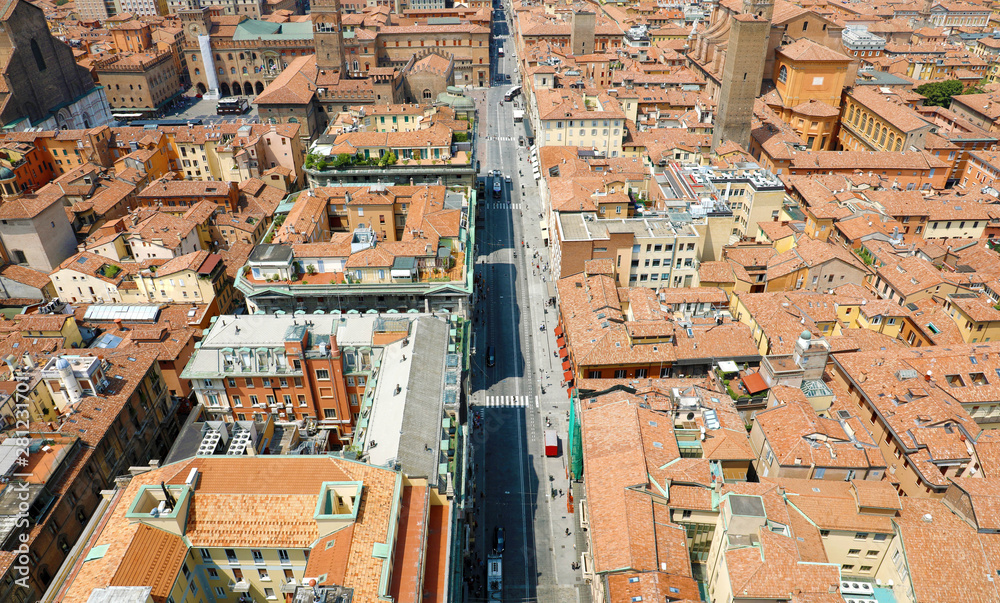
(516, 393)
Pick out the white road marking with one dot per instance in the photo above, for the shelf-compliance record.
(508, 402)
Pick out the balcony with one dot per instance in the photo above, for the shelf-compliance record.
(242, 586)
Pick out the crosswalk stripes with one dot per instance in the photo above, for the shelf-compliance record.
(503, 205)
(508, 401)
(501, 138)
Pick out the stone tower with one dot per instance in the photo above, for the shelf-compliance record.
(743, 72)
(328, 35)
(583, 32)
(197, 25)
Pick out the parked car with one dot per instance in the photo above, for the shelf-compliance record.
(498, 543)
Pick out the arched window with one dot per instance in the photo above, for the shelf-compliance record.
(881, 140)
(197, 71)
(892, 141)
(37, 53)
(427, 94)
(850, 113)
(864, 122)
(899, 144)
(871, 123)
(783, 74)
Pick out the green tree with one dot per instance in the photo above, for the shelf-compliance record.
(461, 137)
(387, 159)
(979, 88)
(938, 94)
(342, 160)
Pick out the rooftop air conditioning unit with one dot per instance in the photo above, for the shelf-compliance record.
(864, 589)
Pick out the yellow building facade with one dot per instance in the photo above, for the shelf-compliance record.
(809, 79)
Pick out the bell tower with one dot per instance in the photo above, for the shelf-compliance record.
(196, 22)
(328, 36)
(743, 72)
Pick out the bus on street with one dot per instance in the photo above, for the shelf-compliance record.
(232, 106)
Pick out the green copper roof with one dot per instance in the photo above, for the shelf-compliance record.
(252, 29)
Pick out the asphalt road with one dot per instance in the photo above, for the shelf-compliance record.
(516, 399)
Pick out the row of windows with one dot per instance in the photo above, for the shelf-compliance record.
(266, 382)
(882, 134)
(582, 122)
(639, 373)
(681, 262)
(655, 277)
(409, 43)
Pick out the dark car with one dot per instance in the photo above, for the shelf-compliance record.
(491, 356)
(498, 540)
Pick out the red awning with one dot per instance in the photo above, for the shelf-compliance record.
(568, 377)
(754, 383)
(561, 341)
(566, 365)
(564, 352)
(211, 261)
(558, 331)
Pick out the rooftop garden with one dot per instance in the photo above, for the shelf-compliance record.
(865, 256)
(321, 163)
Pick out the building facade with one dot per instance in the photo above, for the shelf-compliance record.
(140, 83)
(44, 87)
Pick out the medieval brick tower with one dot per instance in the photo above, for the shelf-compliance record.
(743, 72)
(582, 35)
(328, 35)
